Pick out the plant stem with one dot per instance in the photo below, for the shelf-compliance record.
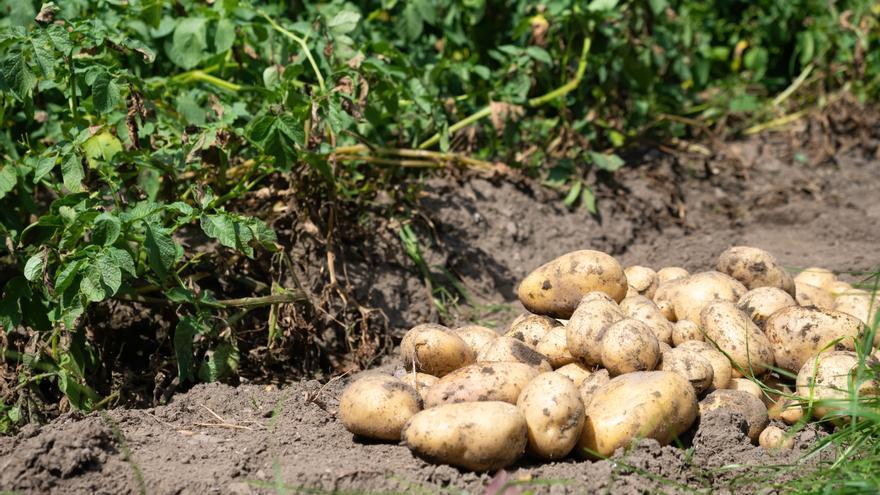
(351, 153)
(302, 44)
(286, 297)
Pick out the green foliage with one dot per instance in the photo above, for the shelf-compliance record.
(122, 122)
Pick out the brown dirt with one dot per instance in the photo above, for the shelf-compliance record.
(681, 209)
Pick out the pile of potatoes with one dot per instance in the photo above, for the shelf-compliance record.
(608, 355)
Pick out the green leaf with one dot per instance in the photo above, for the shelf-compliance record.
(17, 75)
(101, 147)
(60, 37)
(106, 94)
(122, 259)
(343, 22)
(106, 229)
(609, 163)
(91, 286)
(161, 249)
(72, 173)
(189, 42)
(224, 36)
(111, 274)
(277, 135)
(33, 269)
(601, 5)
(573, 194)
(228, 231)
(8, 179)
(589, 200)
(539, 54)
(43, 56)
(412, 21)
(65, 277)
(45, 165)
(219, 363)
(187, 328)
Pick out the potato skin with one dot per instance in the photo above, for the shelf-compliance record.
(642, 281)
(773, 438)
(420, 382)
(762, 302)
(476, 336)
(477, 436)
(859, 303)
(629, 345)
(584, 331)
(798, 333)
(689, 364)
(755, 268)
(592, 383)
(742, 402)
(826, 378)
(722, 371)
(555, 288)
(508, 349)
(434, 349)
(685, 330)
(737, 336)
(690, 295)
(816, 277)
(576, 372)
(531, 329)
(554, 346)
(746, 385)
(810, 295)
(554, 415)
(378, 406)
(481, 382)
(644, 404)
(643, 309)
(670, 273)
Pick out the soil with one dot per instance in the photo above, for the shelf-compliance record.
(784, 192)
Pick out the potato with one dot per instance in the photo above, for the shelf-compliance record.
(420, 382)
(531, 329)
(737, 336)
(644, 404)
(554, 415)
(508, 349)
(664, 347)
(378, 406)
(816, 277)
(642, 281)
(670, 273)
(780, 401)
(434, 349)
(824, 381)
(629, 345)
(689, 364)
(583, 332)
(476, 337)
(754, 268)
(798, 333)
(762, 302)
(481, 382)
(742, 402)
(643, 309)
(773, 438)
(839, 287)
(746, 385)
(592, 383)
(690, 295)
(685, 330)
(721, 368)
(810, 295)
(576, 372)
(663, 299)
(556, 288)
(554, 346)
(859, 303)
(478, 436)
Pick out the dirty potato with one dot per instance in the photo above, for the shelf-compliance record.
(670, 273)
(421, 382)
(643, 309)
(584, 331)
(554, 346)
(481, 382)
(780, 401)
(642, 281)
(576, 372)
(629, 345)
(478, 436)
(508, 349)
(762, 302)
(722, 371)
(531, 329)
(690, 295)
(377, 406)
(861, 304)
(592, 383)
(825, 381)
(554, 415)
(797, 333)
(476, 337)
(644, 404)
(774, 438)
(434, 349)
(742, 402)
(685, 330)
(556, 288)
(755, 268)
(746, 385)
(689, 364)
(737, 336)
(810, 295)
(816, 277)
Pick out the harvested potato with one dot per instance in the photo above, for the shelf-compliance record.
(481, 382)
(722, 372)
(685, 330)
(643, 309)
(824, 381)
(476, 337)
(670, 273)
(762, 302)
(663, 299)
(859, 303)
(554, 346)
(556, 288)
(531, 329)
(664, 347)
(592, 383)
(583, 332)
(780, 401)
(576, 372)
(629, 345)
(774, 438)
(554, 415)
(508, 349)
(737, 336)
(839, 287)
(644, 404)
(816, 277)
(434, 349)
(378, 406)
(689, 364)
(478, 436)
(810, 295)
(690, 295)
(421, 382)
(746, 385)
(797, 333)
(642, 281)
(755, 268)
(742, 402)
